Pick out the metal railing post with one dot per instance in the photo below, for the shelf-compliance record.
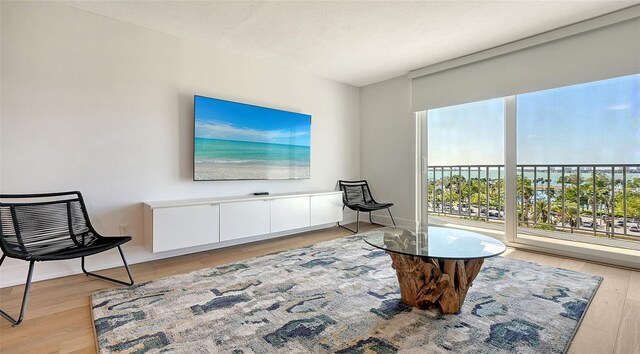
(612, 211)
(563, 198)
(459, 191)
(593, 206)
(469, 189)
(548, 195)
(578, 182)
(486, 214)
(450, 189)
(522, 183)
(624, 200)
(478, 193)
(535, 195)
(499, 193)
(442, 184)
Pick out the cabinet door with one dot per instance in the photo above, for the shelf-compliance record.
(185, 226)
(326, 209)
(289, 213)
(244, 219)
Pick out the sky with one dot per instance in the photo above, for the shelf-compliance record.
(593, 123)
(468, 134)
(219, 119)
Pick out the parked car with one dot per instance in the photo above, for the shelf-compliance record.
(634, 229)
(587, 224)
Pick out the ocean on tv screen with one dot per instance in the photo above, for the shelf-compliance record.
(237, 141)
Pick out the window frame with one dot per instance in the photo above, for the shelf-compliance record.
(595, 252)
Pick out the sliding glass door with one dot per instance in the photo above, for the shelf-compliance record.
(464, 177)
(571, 157)
(578, 151)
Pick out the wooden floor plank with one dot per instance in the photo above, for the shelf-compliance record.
(633, 292)
(517, 254)
(550, 261)
(82, 343)
(590, 340)
(594, 269)
(37, 333)
(605, 310)
(616, 279)
(59, 319)
(571, 264)
(628, 338)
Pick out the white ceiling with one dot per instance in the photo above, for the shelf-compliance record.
(355, 42)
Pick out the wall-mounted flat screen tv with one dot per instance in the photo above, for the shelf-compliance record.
(237, 141)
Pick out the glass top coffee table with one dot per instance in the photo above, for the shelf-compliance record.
(436, 265)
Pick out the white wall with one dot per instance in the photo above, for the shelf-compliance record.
(387, 147)
(106, 107)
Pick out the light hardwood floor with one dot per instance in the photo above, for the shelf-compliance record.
(58, 317)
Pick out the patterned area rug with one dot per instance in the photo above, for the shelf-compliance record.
(339, 296)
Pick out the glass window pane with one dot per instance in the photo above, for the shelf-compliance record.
(468, 134)
(592, 123)
(578, 156)
(464, 179)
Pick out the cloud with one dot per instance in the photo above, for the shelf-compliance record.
(619, 107)
(224, 130)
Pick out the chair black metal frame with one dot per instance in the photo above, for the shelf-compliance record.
(50, 227)
(356, 195)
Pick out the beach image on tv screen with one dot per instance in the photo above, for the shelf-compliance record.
(238, 141)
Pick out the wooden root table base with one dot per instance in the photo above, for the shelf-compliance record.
(428, 282)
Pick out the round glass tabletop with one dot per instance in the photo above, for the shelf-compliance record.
(435, 242)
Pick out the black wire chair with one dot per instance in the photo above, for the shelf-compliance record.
(51, 227)
(356, 195)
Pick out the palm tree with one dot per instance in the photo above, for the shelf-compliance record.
(525, 192)
(542, 212)
(496, 193)
(571, 215)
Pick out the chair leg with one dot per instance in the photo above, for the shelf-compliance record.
(25, 296)
(375, 223)
(357, 223)
(393, 221)
(126, 266)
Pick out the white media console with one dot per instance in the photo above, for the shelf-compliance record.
(178, 224)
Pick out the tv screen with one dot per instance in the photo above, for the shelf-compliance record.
(237, 141)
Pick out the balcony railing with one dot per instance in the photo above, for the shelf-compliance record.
(603, 200)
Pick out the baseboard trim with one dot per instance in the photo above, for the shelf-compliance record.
(381, 218)
(386, 220)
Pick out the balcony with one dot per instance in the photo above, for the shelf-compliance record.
(588, 203)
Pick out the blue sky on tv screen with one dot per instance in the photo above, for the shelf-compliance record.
(219, 119)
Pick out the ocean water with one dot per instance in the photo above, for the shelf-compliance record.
(244, 152)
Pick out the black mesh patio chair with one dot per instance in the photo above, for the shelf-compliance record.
(356, 195)
(50, 227)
